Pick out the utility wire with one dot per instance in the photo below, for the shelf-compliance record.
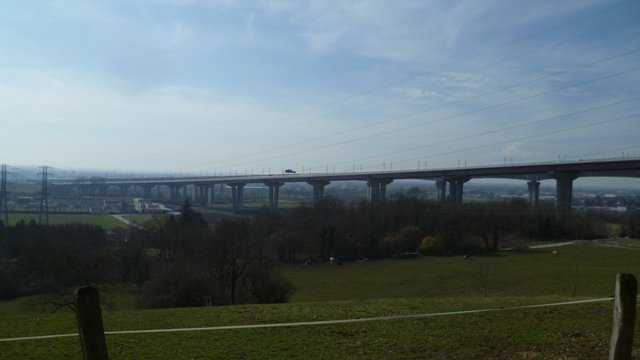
(442, 105)
(519, 139)
(448, 64)
(528, 97)
(351, 130)
(605, 152)
(511, 127)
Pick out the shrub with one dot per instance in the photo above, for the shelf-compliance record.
(267, 285)
(175, 286)
(388, 246)
(431, 245)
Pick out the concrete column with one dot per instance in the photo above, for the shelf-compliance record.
(212, 194)
(274, 192)
(453, 191)
(175, 190)
(146, 191)
(534, 192)
(564, 192)
(240, 196)
(237, 195)
(318, 188)
(198, 194)
(383, 189)
(377, 190)
(459, 190)
(441, 190)
(185, 196)
(456, 189)
(373, 191)
(123, 189)
(207, 194)
(234, 196)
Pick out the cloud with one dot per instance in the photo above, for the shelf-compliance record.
(200, 83)
(173, 36)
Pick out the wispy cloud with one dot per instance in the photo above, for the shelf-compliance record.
(262, 83)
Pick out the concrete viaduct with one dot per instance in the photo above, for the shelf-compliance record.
(449, 182)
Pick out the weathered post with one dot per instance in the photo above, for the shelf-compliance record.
(90, 327)
(624, 317)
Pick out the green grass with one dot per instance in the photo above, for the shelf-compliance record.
(139, 219)
(590, 269)
(376, 288)
(106, 221)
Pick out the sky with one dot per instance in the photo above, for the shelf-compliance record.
(255, 87)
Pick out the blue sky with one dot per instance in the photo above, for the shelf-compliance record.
(224, 86)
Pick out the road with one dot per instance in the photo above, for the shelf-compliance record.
(121, 218)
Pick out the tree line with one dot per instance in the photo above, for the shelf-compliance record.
(185, 261)
(330, 228)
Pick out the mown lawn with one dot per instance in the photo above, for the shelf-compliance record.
(378, 288)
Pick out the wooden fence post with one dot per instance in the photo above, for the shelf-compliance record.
(90, 327)
(624, 317)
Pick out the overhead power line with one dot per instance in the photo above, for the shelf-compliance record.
(396, 130)
(423, 111)
(43, 213)
(4, 209)
(519, 139)
(234, 135)
(502, 129)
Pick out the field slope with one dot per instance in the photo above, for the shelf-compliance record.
(378, 288)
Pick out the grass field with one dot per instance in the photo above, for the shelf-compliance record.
(377, 288)
(106, 221)
(139, 219)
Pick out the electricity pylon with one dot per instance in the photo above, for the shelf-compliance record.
(3, 195)
(44, 198)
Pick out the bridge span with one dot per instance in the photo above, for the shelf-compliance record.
(449, 182)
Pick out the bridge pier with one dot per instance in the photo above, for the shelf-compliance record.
(377, 190)
(318, 188)
(456, 188)
(534, 192)
(174, 191)
(564, 192)
(274, 192)
(207, 194)
(146, 191)
(237, 196)
(201, 194)
(441, 190)
(123, 189)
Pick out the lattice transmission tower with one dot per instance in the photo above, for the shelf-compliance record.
(4, 209)
(44, 198)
